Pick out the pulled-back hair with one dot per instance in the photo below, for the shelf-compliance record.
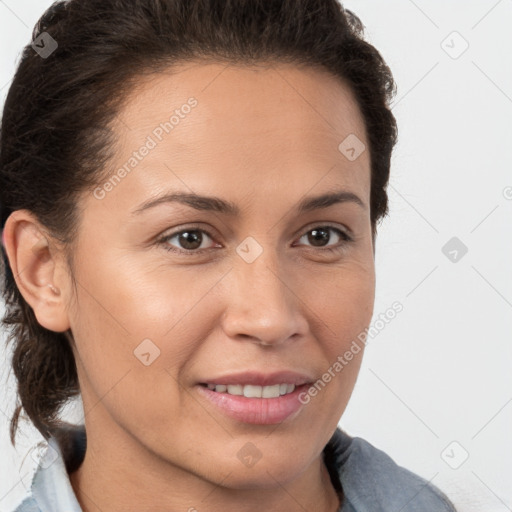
(56, 140)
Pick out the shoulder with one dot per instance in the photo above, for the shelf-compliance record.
(29, 504)
(51, 488)
(372, 480)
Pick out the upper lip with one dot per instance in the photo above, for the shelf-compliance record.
(256, 378)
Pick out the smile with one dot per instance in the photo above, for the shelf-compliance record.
(260, 405)
(251, 391)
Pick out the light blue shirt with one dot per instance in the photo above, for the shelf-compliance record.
(371, 480)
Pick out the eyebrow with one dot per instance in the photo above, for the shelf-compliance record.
(216, 204)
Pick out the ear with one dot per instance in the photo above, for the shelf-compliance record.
(36, 265)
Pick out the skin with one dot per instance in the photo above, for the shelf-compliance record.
(263, 138)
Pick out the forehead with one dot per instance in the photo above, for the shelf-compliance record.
(221, 126)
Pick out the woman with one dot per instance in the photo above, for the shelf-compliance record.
(189, 207)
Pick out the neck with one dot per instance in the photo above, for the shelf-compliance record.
(122, 474)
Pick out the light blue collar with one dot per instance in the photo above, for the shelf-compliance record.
(51, 489)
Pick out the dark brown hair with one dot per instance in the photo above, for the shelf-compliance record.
(55, 139)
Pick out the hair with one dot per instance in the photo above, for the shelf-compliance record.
(56, 141)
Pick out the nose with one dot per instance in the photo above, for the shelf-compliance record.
(261, 305)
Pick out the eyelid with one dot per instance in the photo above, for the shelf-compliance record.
(165, 236)
(340, 227)
(346, 235)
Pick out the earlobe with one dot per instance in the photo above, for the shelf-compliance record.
(33, 262)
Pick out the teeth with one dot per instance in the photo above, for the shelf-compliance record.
(250, 391)
(235, 389)
(270, 391)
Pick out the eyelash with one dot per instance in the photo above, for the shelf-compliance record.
(346, 239)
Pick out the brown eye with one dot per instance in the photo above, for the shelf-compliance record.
(187, 241)
(190, 239)
(320, 236)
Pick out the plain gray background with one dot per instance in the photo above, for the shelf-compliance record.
(435, 389)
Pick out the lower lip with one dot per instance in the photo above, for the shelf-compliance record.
(260, 411)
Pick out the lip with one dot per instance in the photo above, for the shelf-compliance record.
(259, 411)
(256, 378)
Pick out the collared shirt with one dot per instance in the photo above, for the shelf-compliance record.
(370, 479)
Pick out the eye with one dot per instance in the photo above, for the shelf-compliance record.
(190, 239)
(193, 240)
(319, 236)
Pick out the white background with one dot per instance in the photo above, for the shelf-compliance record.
(441, 370)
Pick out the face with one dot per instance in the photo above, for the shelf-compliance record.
(171, 296)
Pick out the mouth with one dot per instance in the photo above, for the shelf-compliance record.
(252, 391)
(257, 398)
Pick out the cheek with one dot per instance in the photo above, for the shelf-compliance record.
(344, 311)
(342, 300)
(140, 321)
(134, 299)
